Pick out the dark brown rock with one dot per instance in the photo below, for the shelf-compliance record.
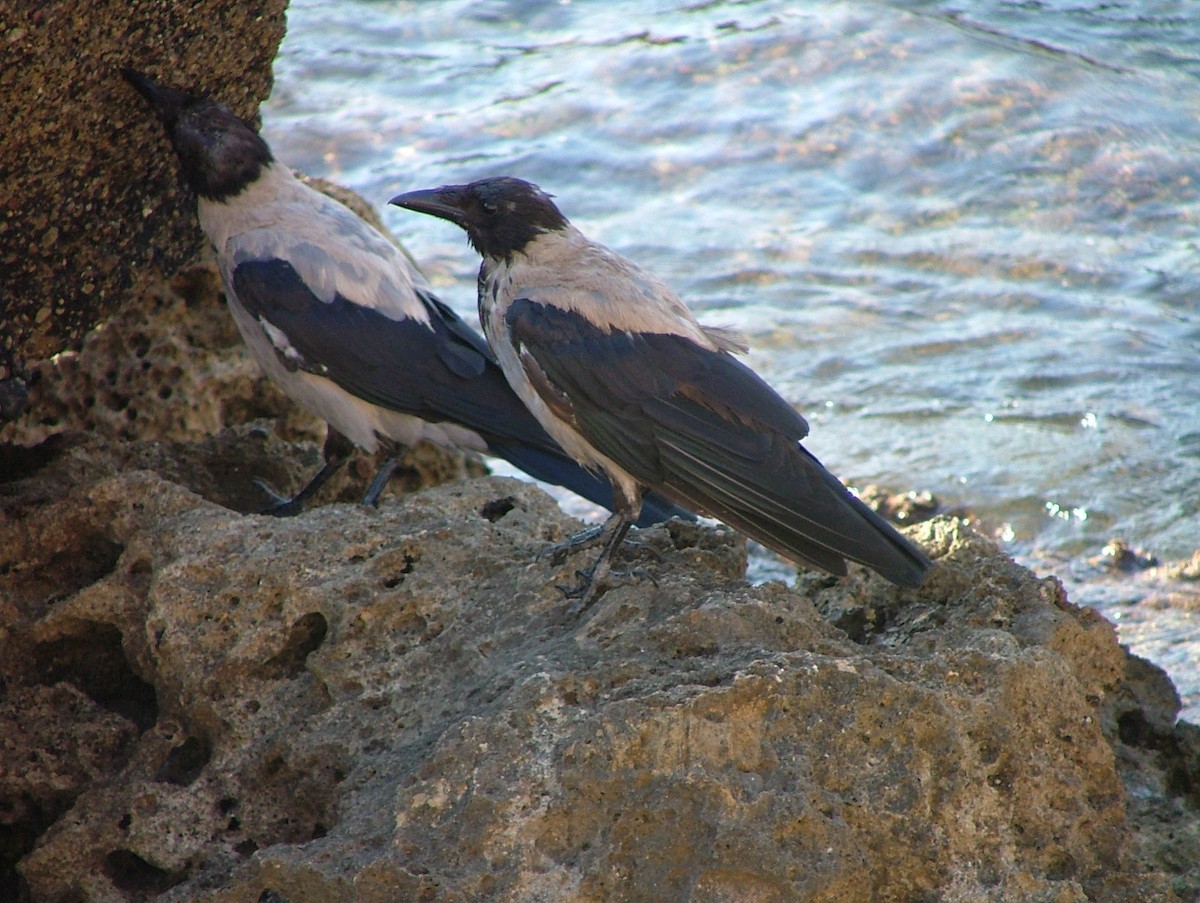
(355, 705)
(91, 191)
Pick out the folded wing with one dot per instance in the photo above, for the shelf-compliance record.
(709, 433)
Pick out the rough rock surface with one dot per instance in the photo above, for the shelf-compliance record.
(199, 704)
(91, 194)
(390, 705)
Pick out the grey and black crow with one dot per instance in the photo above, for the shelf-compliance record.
(339, 318)
(619, 371)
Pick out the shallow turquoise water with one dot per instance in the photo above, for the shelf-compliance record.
(961, 238)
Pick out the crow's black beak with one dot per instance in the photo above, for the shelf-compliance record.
(167, 102)
(445, 202)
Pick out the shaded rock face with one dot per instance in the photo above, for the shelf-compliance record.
(391, 705)
(91, 193)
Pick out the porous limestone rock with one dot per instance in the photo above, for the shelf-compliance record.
(358, 705)
(169, 364)
(91, 193)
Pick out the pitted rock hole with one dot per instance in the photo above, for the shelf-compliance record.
(185, 762)
(22, 822)
(408, 560)
(497, 508)
(91, 656)
(18, 462)
(134, 875)
(305, 638)
(83, 558)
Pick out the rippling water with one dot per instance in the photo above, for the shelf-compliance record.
(960, 237)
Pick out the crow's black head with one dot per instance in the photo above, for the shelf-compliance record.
(219, 153)
(500, 215)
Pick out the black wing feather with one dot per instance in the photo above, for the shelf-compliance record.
(442, 371)
(711, 434)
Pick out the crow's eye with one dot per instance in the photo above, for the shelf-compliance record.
(489, 206)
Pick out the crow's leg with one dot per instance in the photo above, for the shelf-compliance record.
(336, 452)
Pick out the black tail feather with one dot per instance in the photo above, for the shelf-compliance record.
(792, 505)
(560, 470)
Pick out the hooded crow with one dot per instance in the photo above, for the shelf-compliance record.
(339, 318)
(619, 371)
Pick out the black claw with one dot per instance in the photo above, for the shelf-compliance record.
(571, 592)
(639, 573)
(290, 508)
(281, 505)
(269, 491)
(581, 588)
(582, 540)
